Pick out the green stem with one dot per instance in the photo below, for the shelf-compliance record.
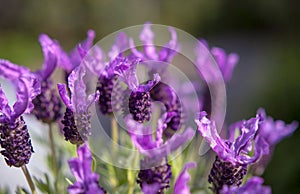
(114, 133)
(53, 152)
(29, 179)
(131, 173)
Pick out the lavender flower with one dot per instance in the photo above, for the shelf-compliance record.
(165, 94)
(233, 156)
(47, 105)
(181, 186)
(110, 91)
(14, 136)
(139, 99)
(69, 61)
(226, 63)
(154, 167)
(273, 132)
(86, 180)
(252, 186)
(77, 116)
(213, 73)
(150, 53)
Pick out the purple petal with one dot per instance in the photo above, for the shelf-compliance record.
(4, 107)
(62, 90)
(176, 141)
(127, 71)
(170, 49)
(150, 84)
(275, 131)
(11, 71)
(225, 63)
(78, 89)
(248, 131)
(92, 98)
(150, 189)
(140, 134)
(86, 180)
(252, 186)
(147, 37)
(209, 132)
(181, 184)
(85, 45)
(94, 61)
(133, 49)
(119, 46)
(26, 85)
(50, 49)
(64, 60)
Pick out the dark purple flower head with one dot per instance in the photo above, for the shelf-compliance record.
(47, 105)
(235, 150)
(150, 52)
(15, 143)
(252, 186)
(226, 63)
(181, 184)
(139, 99)
(165, 94)
(77, 116)
(69, 61)
(234, 154)
(274, 131)
(14, 137)
(86, 180)
(27, 88)
(96, 61)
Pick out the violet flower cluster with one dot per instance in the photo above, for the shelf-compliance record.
(244, 153)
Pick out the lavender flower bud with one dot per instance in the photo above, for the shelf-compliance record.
(109, 95)
(16, 143)
(140, 106)
(225, 173)
(156, 175)
(70, 129)
(47, 105)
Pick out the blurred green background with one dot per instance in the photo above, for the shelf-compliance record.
(264, 33)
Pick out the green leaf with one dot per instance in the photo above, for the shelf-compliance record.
(21, 190)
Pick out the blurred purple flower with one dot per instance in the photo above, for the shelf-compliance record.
(252, 186)
(86, 180)
(274, 131)
(14, 137)
(27, 88)
(166, 54)
(167, 95)
(139, 99)
(181, 184)
(154, 167)
(225, 63)
(215, 67)
(107, 85)
(47, 105)
(69, 61)
(77, 116)
(233, 155)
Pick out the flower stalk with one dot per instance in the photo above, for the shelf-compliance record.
(28, 178)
